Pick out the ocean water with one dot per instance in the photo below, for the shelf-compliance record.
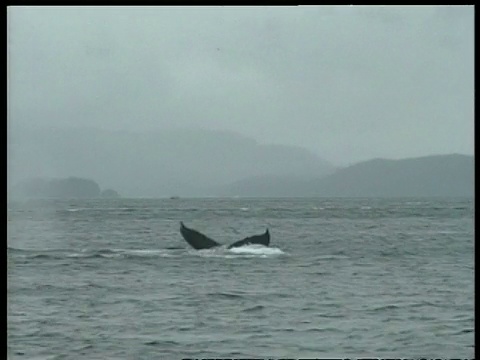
(113, 279)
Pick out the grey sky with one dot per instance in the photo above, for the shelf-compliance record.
(349, 83)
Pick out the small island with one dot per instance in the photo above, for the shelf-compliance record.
(109, 194)
(66, 188)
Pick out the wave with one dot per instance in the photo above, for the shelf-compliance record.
(162, 343)
(254, 308)
(106, 209)
(90, 253)
(115, 253)
(124, 253)
(36, 253)
(226, 295)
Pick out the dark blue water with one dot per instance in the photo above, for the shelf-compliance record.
(113, 279)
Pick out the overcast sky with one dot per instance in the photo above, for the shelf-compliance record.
(349, 83)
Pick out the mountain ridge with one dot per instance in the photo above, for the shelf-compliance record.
(157, 163)
(431, 175)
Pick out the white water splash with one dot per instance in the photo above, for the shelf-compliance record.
(243, 251)
(256, 250)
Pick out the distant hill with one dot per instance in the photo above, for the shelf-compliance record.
(268, 186)
(68, 188)
(109, 194)
(440, 175)
(157, 163)
(437, 175)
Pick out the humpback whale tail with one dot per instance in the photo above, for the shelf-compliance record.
(199, 241)
(263, 239)
(196, 239)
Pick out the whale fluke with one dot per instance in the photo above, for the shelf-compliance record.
(196, 239)
(199, 241)
(263, 239)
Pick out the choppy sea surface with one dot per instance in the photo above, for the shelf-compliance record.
(113, 279)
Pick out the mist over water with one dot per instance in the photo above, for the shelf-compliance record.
(114, 279)
(348, 83)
